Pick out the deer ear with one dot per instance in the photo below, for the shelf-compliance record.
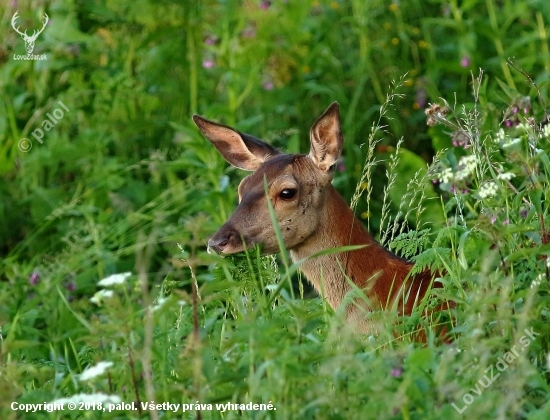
(326, 138)
(240, 150)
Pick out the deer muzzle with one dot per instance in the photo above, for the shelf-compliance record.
(226, 240)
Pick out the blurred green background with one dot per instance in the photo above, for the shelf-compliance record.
(133, 72)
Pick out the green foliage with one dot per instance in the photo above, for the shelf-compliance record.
(124, 183)
(411, 243)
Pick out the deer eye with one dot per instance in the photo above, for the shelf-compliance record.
(287, 193)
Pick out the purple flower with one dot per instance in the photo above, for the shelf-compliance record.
(493, 219)
(420, 98)
(341, 167)
(208, 64)
(465, 61)
(210, 40)
(523, 213)
(268, 85)
(506, 222)
(264, 5)
(396, 372)
(34, 278)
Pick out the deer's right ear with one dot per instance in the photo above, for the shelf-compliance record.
(326, 138)
(240, 150)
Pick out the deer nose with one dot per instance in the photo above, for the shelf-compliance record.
(218, 243)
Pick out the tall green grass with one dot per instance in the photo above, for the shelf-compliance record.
(124, 183)
(243, 336)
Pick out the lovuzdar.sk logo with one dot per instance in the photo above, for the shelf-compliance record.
(29, 39)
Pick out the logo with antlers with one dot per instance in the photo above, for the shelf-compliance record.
(29, 40)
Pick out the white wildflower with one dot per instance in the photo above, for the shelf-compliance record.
(488, 189)
(501, 135)
(89, 398)
(160, 302)
(461, 174)
(469, 161)
(94, 371)
(101, 295)
(506, 176)
(114, 279)
(522, 126)
(537, 281)
(446, 176)
(466, 166)
(546, 131)
(511, 142)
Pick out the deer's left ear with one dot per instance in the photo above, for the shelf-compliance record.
(326, 138)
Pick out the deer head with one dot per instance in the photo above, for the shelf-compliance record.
(29, 40)
(296, 185)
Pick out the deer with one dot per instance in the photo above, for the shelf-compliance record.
(312, 217)
(29, 40)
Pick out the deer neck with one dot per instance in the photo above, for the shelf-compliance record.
(372, 268)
